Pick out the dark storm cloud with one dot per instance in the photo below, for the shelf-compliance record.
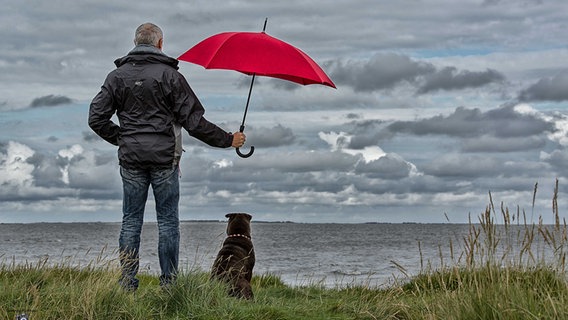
(83, 173)
(463, 166)
(524, 3)
(424, 184)
(359, 142)
(450, 78)
(47, 171)
(271, 172)
(386, 71)
(502, 122)
(496, 130)
(387, 167)
(547, 89)
(50, 101)
(382, 71)
(304, 161)
(497, 170)
(366, 133)
(272, 137)
(85, 176)
(284, 85)
(558, 159)
(89, 136)
(494, 144)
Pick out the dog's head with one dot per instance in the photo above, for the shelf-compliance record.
(239, 223)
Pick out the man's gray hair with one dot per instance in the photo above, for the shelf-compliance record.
(148, 33)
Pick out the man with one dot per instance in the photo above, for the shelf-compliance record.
(152, 101)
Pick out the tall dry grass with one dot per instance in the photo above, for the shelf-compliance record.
(509, 267)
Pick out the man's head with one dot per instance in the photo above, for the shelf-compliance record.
(149, 34)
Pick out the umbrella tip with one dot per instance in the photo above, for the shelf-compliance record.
(265, 21)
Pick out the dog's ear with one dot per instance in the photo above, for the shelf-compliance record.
(232, 215)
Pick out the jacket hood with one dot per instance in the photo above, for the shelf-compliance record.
(148, 54)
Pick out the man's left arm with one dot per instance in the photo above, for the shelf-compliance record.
(189, 112)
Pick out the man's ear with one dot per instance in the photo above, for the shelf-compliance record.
(160, 43)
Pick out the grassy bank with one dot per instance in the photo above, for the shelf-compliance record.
(494, 293)
(506, 270)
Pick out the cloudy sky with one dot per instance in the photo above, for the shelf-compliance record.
(438, 103)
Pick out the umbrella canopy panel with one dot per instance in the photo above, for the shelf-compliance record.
(257, 53)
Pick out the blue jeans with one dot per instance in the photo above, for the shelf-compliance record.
(165, 185)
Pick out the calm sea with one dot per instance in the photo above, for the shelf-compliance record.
(301, 254)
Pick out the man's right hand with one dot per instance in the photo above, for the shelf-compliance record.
(239, 139)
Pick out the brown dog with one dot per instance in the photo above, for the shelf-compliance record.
(235, 260)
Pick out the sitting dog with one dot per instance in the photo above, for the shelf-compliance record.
(235, 260)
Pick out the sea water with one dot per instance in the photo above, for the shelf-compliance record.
(373, 255)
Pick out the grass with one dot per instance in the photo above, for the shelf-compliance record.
(510, 270)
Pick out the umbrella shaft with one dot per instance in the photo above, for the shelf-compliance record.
(248, 101)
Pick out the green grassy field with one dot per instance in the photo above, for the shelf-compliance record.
(499, 274)
(488, 293)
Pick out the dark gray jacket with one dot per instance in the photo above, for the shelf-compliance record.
(153, 101)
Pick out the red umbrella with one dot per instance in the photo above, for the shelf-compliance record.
(256, 53)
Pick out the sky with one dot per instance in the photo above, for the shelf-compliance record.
(441, 106)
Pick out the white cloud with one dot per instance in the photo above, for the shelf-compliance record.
(339, 141)
(223, 163)
(559, 120)
(69, 154)
(15, 172)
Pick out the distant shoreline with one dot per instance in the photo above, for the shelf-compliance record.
(257, 222)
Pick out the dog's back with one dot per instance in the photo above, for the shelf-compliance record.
(235, 261)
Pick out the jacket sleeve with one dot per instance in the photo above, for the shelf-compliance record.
(100, 112)
(189, 113)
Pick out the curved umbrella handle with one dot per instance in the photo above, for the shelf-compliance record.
(243, 155)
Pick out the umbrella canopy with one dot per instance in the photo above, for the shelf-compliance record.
(257, 53)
